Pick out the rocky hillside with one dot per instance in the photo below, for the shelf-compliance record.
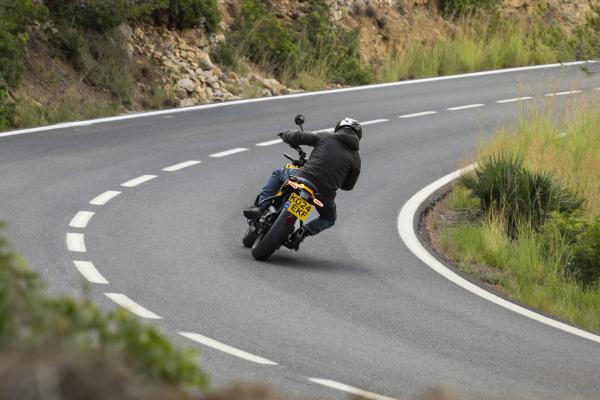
(167, 66)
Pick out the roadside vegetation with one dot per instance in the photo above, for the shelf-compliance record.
(527, 220)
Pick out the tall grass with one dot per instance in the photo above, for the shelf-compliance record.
(479, 42)
(534, 267)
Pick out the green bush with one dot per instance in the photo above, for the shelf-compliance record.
(7, 110)
(32, 319)
(505, 187)
(96, 15)
(194, 13)
(453, 8)
(15, 18)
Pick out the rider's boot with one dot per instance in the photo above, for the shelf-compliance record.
(255, 212)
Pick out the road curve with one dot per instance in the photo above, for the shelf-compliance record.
(148, 210)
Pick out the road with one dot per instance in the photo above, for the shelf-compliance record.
(354, 306)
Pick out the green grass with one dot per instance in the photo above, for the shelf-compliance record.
(532, 266)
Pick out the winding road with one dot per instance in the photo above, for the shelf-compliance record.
(146, 210)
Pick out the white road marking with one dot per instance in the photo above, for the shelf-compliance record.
(513, 100)
(75, 242)
(563, 93)
(269, 143)
(286, 97)
(375, 121)
(349, 389)
(105, 197)
(228, 152)
(90, 272)
(465, 107)
(226, 349)
(406, 230)
(81, 219)
(138, 181)
(328, 130)
(182, 165)
(419, 114)
(131, 305)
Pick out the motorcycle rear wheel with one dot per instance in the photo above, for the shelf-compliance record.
(267, 243)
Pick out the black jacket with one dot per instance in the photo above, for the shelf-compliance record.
(334, 162)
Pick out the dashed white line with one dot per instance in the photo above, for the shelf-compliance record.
(465, 107)
(138, 181)
(105, 197)
(90, 272)
(349, 389)
(419, 114)
(81, 219)
(75, 242)
(229, 152)
(182, 165)
(269, 143)
(226, 349)
(375, 121)
(562, 93)
(131, 305)
(514, 100)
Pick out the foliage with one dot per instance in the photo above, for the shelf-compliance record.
(95, 15)
(15, 18)
(453, 8)
(32, 319)
(505, 187)
(194, 13)
(7, 110)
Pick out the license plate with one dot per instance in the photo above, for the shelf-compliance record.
(299, 207)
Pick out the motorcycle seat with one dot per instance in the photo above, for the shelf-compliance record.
(306, 182)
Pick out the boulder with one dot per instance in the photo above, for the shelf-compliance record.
(203, 60)
(274, 86)
(186, 84)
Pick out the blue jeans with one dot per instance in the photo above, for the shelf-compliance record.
(327, 214)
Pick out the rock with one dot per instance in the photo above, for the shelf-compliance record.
(186, 84)
(244, 82)
(180, 92)
(255, 77)
(203, 60)
(139, 33)
(294, 91)
(517, 3)
(186, 102)
(125, 30)
(274, 86)
(231, 76)
(266, 93)
(359, 8)
(215, 85)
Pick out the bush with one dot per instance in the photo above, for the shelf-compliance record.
(96, 15)
(7, 110)
(453, 8)
(33, 320)
(194, 13)
(505, 187)
(15, 18)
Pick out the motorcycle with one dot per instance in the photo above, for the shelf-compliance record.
(294, 201)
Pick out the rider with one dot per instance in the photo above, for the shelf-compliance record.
(333, 164)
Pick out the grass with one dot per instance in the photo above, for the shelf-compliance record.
(531, 266)
(480, 42)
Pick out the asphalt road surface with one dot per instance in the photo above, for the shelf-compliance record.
(354, 306)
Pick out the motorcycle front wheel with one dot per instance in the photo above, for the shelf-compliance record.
(249, 237)
(268, 242)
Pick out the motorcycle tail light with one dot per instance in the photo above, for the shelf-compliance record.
(318, 203)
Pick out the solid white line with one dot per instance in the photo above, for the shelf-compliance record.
(81, 219)
(182, 165)
(465, 107)
(138, 181)
(375, 121)
(286, 97)
(513, 100)
(131, 305)
(90, 272)
(328, 130)
(228, 152)
(420, 114)
(269, 143)
(226, 349)
(408, 235)
(563, 93)
(75, 242)
(349, 389)
(105, 198)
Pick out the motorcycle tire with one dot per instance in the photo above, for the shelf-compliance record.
(267, 243)
(249, 237)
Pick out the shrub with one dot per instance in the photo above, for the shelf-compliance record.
(96, 15)
(194, 13)
(15, 18)
(505, 187)
(453, 8)
(32, 320)
(7, 110)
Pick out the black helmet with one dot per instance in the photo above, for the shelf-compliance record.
(352, 123)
